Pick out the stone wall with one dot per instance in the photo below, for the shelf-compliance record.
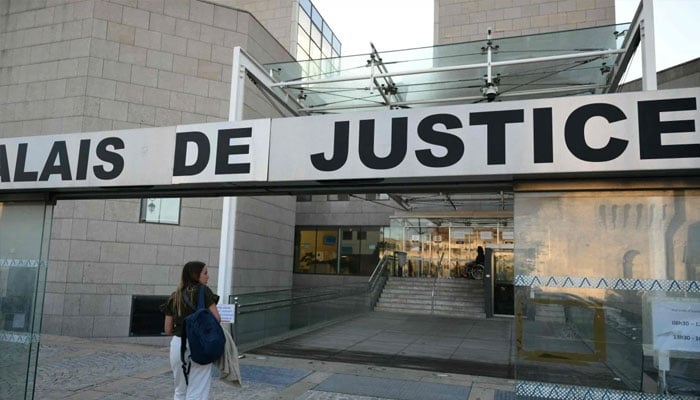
(468, 20)
(72, 66)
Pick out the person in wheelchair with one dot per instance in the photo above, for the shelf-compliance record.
(475, 269)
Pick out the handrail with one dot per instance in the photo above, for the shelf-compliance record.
(380, 265)
(437, 271)
(298, 297)
(379, 271)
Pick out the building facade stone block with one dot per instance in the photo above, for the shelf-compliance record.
(112, 252)
(142, 253)
(135, 17)
(129, 232)
(104, 231)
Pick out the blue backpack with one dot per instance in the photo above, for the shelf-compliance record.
(203, 333)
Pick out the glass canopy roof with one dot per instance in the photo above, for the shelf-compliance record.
(548, 65)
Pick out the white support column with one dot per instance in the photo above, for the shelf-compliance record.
(230, 205)
(646, 28)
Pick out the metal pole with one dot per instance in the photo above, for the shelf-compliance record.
(648, 46)
(230, 204)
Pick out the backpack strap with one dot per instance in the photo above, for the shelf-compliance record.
(201, 296)
(186, 365)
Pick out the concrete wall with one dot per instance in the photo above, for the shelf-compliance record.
(684, 75)
(279, 17)
(354, 212)
(71, 66)
(468, 20)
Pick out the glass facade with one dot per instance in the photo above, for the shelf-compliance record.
(442, 246)
(315, 41)
(607, 299)
(24, 243)
(337, 250)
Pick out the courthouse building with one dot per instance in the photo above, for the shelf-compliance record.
(105, 65)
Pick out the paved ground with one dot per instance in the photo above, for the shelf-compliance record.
(482, 347)
(73, 368)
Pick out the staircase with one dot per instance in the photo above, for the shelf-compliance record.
(452, 297)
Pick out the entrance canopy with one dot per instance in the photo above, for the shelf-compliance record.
(429, 120)
(557, 64)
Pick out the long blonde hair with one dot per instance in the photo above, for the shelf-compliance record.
(189, 278)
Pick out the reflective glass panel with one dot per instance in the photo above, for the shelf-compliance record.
(303, 41)
(316, 35)
(538, 78)
(305, 22)
(327, 33)
(305, 5)
(24, 240)
(607, 295)
(316, 17)
(326, 48)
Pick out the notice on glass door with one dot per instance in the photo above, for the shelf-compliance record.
(676, 325)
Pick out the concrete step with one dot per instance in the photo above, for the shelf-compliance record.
(445, 295)
(449, 297)
(430, 303)
(448, 313)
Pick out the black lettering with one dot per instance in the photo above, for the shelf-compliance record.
(542, 125)
(83, 158)
(399, 143)
(341, 139)
(20, 174)
(651, 127)
(4, 165)
(180, 168)
(495, 122)
(60, 152)
(224, 148)
(110, 157)
(452, 143)
(575, 135)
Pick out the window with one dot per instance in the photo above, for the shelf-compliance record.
(305, 22)
(146, 317)
(337, 250)
(316, 17)
(316, 36)
(304, 197)
(305, 5)
(160, 211)
(304, 41)
(326, 49)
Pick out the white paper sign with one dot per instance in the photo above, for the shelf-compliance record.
(227, 313)
(676, 325)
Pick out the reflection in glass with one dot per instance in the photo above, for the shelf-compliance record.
(24, 230)
(344, 250)
(442, 247)
(591, 268)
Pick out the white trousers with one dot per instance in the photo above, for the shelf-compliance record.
(199, 376)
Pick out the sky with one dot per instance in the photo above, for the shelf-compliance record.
(393, 25)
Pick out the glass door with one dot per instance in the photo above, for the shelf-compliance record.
(503, 279)
(24, 238)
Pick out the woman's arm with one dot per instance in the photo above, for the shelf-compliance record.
(168, 326)
(215, 311)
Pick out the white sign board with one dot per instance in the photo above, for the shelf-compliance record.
(615, 133)
(619, 132)
(676, 325)
(227, 313)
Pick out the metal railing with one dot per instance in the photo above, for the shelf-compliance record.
(267, 317)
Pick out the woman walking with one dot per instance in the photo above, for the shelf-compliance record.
(194, 274)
